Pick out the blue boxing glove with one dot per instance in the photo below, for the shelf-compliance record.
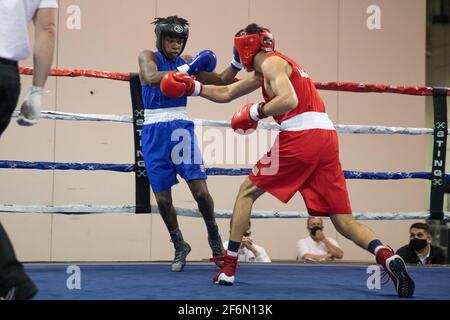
(204, 61)
(236, 62)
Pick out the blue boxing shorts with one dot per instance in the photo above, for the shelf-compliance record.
(171, 148)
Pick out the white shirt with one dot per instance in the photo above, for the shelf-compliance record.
(245, 255)
(423, 258)
(15, 15)
(308, 245)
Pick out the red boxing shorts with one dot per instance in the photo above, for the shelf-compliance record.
(306, 161)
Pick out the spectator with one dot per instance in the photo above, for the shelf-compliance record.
(419, 250)
(249, 251)
(317, 247)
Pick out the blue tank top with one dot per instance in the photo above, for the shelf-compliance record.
(152, 96)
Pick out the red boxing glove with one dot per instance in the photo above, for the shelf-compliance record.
(171, 87)
(176, 84)
(193, 87)
(246, 120)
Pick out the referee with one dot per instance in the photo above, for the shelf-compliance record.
(15, 16)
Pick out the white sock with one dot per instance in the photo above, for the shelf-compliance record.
(380, 247)
(232, 253)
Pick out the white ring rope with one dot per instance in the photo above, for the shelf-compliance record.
(74, 209)
(52, 115)
(78, 208)
(340, 128)
(84, 209)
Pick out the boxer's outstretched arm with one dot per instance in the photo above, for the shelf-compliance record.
(223, 78)
(223, 94)
(219, 79)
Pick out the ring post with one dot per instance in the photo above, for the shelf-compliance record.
(438, 183)
(142, 186)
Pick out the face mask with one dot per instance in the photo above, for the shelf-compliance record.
(313, 230)
(417, 244)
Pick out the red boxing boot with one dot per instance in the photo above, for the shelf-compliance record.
(394, 265)
(226, 273)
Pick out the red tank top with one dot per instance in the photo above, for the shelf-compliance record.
(307, 95)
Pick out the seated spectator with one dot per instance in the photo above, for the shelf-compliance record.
(317, 247)
(250, 251)
(419, 250)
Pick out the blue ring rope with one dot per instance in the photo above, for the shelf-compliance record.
(9, 164)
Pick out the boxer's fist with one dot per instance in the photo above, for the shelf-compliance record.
(176, 84)
(204, 61)
(171, 87)
(246, 120)
(192, 86)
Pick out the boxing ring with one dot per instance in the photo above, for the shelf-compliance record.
(276, 281)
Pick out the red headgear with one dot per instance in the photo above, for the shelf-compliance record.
(248, 45)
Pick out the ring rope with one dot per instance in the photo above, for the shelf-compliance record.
(80, 73)
(52, 115)
(340, 128)
(10, 164)
(88, 209)
(335, 86)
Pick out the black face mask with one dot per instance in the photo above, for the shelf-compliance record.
(313, 230)
(417, 244)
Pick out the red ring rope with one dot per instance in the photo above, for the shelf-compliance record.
(336, 86)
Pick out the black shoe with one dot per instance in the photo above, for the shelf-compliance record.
(24, 291)
(181, 252)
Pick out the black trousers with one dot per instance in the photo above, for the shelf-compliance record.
(11, 270)
(9, 91)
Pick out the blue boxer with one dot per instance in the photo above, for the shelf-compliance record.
(169, 143)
